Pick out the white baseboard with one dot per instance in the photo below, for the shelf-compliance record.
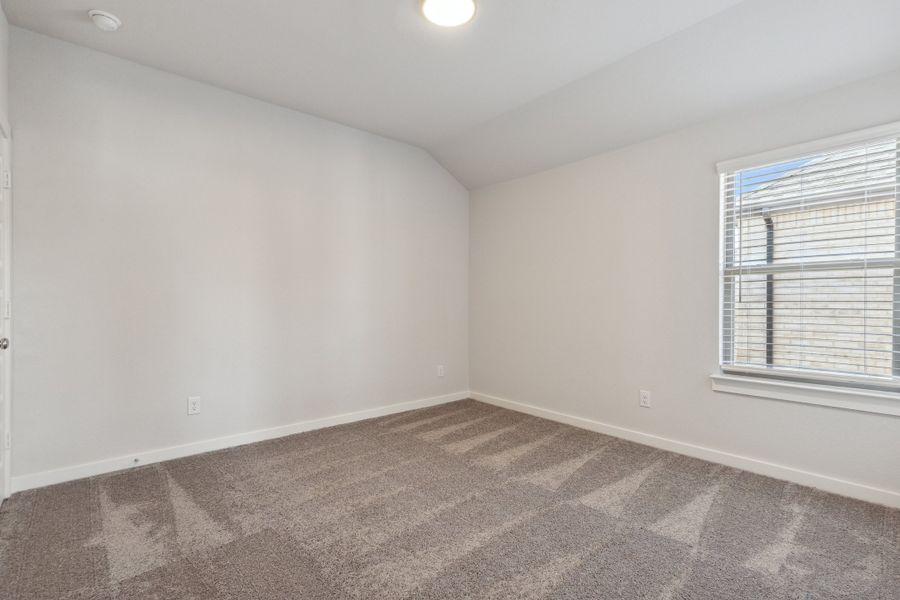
(823, 482)
(44, 478)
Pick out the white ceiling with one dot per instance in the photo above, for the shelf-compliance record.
(528, 85)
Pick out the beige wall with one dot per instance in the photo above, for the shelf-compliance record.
(4, 66)
(594, 280)
(174, 239)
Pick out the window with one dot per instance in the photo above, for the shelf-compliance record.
(810, 264)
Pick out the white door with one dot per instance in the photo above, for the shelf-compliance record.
(5, 311)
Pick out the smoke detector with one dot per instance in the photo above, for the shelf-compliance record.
(105, 21)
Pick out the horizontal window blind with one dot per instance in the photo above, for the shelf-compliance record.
(809, 268)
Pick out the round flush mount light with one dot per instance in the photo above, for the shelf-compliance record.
(448, 13)
(105, 21)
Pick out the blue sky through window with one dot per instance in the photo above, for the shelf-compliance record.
(756, 178)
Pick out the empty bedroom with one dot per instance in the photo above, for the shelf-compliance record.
(450, 299)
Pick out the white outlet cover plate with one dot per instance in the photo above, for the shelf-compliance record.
(645, 399)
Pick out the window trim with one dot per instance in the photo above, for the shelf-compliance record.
(850, 382)
(832, 396)
(812, 147)
(861, 394)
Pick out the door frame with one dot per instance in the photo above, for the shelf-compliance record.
(6, 307)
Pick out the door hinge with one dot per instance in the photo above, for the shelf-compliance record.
(7, 309)
(7, 180)
(7, 441)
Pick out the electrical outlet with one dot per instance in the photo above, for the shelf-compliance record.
(194, 405)
(440, 370)
(645, 399)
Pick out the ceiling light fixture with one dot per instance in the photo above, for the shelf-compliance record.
(105, 21)
(448, 13)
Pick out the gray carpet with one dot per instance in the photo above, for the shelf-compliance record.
(459, 501)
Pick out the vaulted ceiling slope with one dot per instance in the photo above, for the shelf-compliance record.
(528, 85)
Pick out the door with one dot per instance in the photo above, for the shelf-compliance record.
(5, 312)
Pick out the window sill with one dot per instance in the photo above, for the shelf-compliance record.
(870, 401)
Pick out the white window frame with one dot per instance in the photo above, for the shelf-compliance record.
(850, 393)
